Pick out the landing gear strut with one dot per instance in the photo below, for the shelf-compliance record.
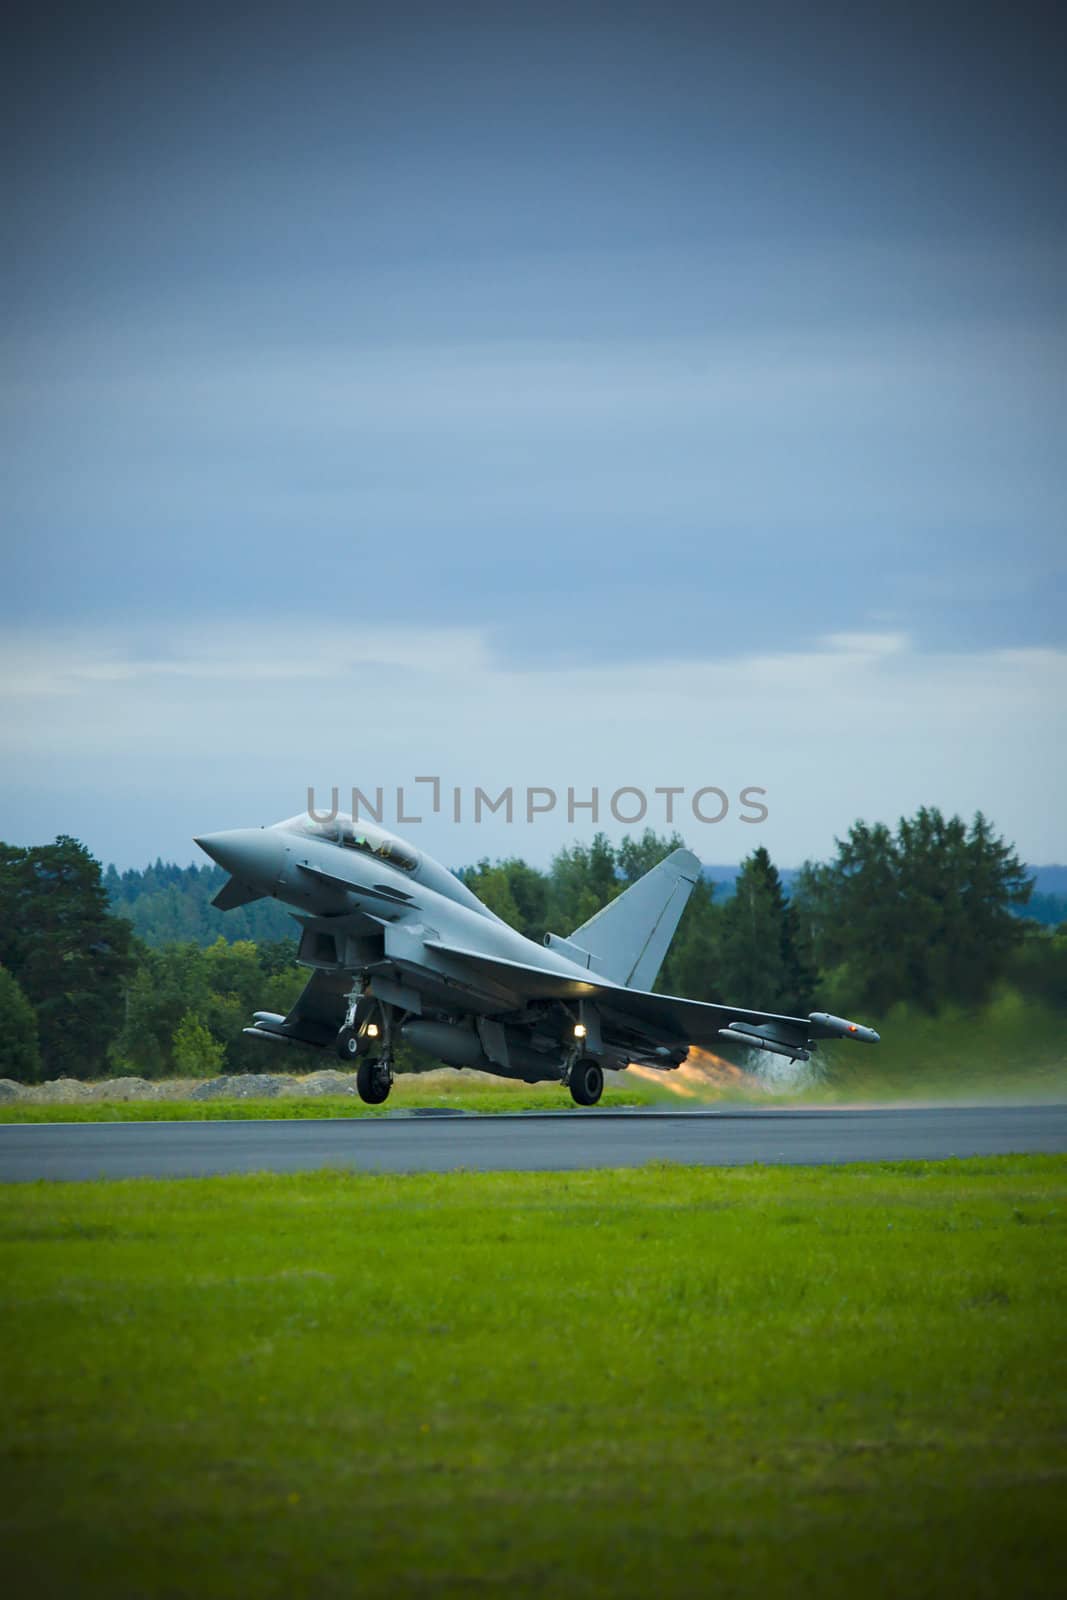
(367, 1023)
(586, 1081)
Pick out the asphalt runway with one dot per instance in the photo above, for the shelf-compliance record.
(547, 1142)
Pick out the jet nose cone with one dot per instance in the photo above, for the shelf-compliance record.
(212, 844)
(252, 855)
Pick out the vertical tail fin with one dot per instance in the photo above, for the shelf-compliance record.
(629, 938)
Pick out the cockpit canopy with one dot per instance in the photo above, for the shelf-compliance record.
(349, 835)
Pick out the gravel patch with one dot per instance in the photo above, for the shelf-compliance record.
(240, 1086)
(234, 1086)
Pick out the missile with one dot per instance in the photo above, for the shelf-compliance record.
(825, 1026)
(758, 1041)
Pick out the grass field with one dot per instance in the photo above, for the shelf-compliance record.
(670, 1381)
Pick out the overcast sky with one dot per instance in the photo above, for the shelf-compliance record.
(649, 395)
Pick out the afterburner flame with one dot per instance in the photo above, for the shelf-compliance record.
(701, 1075)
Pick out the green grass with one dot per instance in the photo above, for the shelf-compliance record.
(669, 1381)
(407, 1095)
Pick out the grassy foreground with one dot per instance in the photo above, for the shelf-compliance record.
(678, 1381)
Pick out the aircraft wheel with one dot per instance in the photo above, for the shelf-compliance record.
(347, 1044)
(372, 1084)
(587, 1082)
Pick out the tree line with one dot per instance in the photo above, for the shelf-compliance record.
(931, 913)
(168, 904)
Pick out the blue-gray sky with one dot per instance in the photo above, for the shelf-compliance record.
(463, 357)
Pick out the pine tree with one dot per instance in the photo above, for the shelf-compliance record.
(693, 961)
(20, 1058)
(69, 953)
(923, 915)
(762, 963)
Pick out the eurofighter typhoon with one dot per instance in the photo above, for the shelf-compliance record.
(400, 948)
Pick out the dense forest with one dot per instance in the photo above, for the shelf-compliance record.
(168, 904)
(102, 973)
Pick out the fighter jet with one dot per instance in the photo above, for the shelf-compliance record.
(400, 948)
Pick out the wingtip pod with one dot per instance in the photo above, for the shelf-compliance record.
(826, 1026)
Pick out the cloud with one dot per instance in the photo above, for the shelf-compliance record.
(161, 735)
(868, 644)
(73, 664)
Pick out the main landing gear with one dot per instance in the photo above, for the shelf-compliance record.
(374, 1079)
(586, 1081)
(368, 1024)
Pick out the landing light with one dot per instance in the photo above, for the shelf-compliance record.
(372, 1030)
(579, 1030)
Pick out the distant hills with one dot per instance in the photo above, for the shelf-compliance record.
(1049, 880)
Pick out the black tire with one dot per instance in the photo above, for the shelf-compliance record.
(373, 1087)
(348, 1044)
(587, 1082)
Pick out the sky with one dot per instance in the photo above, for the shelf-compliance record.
(631, 395)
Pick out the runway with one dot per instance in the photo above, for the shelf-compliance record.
(550, 1141)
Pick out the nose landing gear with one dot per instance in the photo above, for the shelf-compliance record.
(368, 1023)
(349, 1044)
